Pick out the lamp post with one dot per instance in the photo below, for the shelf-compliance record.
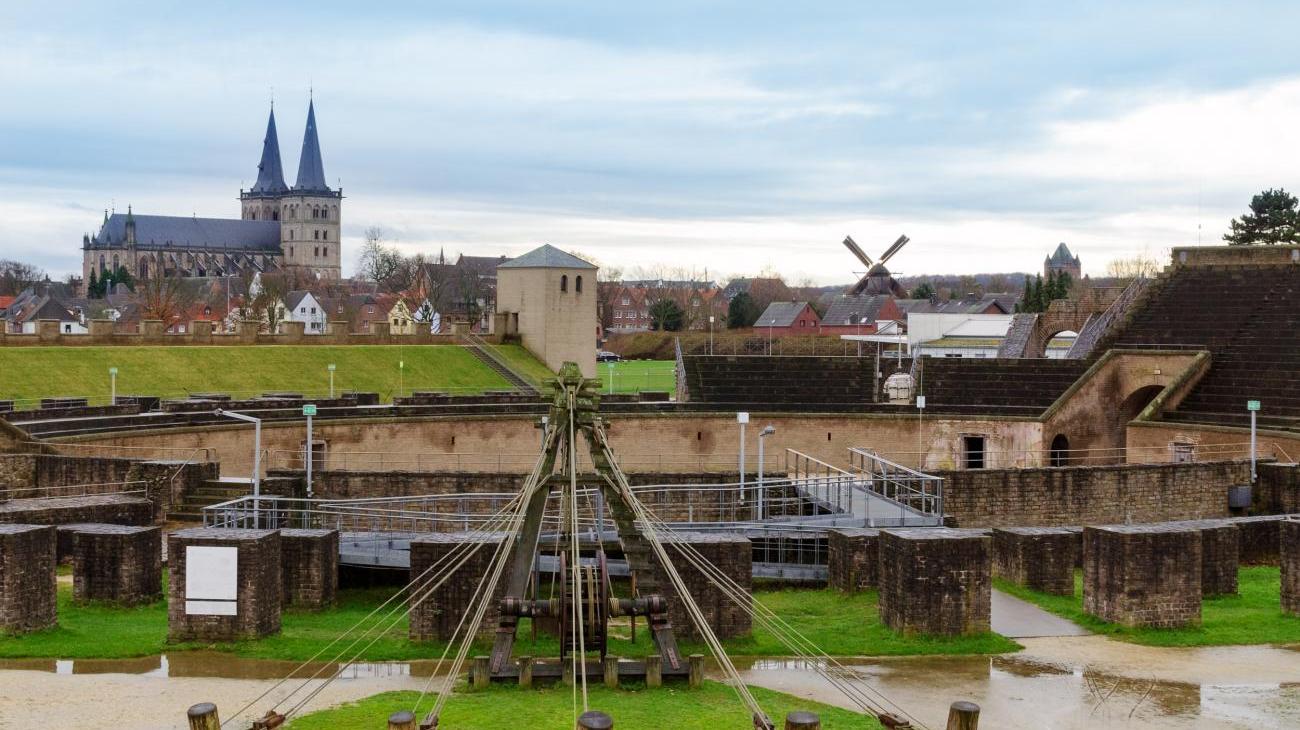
(609, 368)
(710, 334)
(401, 377)
(112, 386)
(762, 436)
(742, 418)
(257, 456)
(330, 367)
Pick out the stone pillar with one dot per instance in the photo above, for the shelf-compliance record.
(853, 562)
(28, 588)
(101, 331)
(434, 616)
(1041, 558)
(1290, 540)
(734, 556)
(1258, 539)
(1143, 575)
(309, 567)
(152, 330)
(936, 580)
(117, 563)
(47, 331)
(1220, 550)
(201, 332)
(293, 331)
(212, 608)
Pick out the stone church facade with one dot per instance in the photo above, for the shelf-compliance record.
(280, 228)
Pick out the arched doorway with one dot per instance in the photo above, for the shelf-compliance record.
(1059, 453)
(1128, 409)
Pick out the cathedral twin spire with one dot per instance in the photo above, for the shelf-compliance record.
(311, 171)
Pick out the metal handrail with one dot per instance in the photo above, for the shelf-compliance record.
(918, 490)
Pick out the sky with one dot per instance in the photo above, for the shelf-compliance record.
(726, 138)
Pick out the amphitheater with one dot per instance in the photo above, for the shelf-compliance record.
(1137, 450)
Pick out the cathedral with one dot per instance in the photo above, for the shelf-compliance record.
(280, 228)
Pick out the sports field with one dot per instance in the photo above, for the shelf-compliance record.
(30, 373)
(634, 376)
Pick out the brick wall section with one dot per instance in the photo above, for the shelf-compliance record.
(1278, 488)
(258, 612)
(112, 509)
(1220, 551)
(1290, 541)
(435, 616)
(852, 559)
(1258, 539)
(1091, 494)
(117, 563)
(733, 555)
(27, 583)
(1143, 575)
(42, 474)
(167, 482)
(309, 567)
(1041, 558)
(936, 581)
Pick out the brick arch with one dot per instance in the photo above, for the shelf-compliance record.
(1029, 333)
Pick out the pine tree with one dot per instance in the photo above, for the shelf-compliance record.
(92, 287)
(1272, 219)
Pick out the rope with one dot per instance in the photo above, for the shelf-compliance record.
(577, 563)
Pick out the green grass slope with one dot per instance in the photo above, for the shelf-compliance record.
(30, 373)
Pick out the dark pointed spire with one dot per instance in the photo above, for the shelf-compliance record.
(311, 171)
(270, 174)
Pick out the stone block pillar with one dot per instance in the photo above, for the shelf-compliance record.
(1220, 550)
(1290, 541)
(309, 567)
(101, 330)
(27, 584)
(852, 555)
(936, 580)
(117, 563)
(1258, 539)
(1143, 575)
(234, 592)
(435, 615)
(1041, 558)
(734, 556)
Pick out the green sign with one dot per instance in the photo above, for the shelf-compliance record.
(112, 371)
(309, 409)
(1252, 405)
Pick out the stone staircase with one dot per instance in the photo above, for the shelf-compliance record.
(479, 348)
(210, 492)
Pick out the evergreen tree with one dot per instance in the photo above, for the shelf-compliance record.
(924, 290)
(123, 276)
(742, 311)
(1272, 219)
(92, 287)
(1036, 299)
(666, 315)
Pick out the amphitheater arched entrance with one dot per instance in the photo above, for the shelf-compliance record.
(1059, 453)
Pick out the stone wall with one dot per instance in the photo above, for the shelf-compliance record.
(117, 563)
(45, 475)
(1143, 575)
(309, 567)
(102, 333)
(1258, 539)
(1290, 539)
(1041, 558)
(167, 482)
(1278, 489)
(435, 615)
(1090, 494)
(852, 559)
(114, 509)
(936, 581)
(733, 555)
(1220, 555)
(257, 609)
(28, 586)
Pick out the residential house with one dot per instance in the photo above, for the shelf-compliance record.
(401, 321)
(860, 314)
(28, 308)
(464, 291)
(303, 306)
(626, 305)
(788, 318)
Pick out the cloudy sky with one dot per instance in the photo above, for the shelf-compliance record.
(727, 136)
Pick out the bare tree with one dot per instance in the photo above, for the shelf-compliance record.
(15, 276)
(378, 261)
(268, 304)
(164, 296)
(1125, 269)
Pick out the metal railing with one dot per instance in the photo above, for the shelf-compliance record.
(918, 490)
(829, 487)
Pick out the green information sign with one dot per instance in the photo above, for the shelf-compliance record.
(309, 409)
(1252, 405)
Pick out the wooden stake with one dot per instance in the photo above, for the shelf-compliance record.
(566, 674)
(480, 674)
(800, 720)
(403, 720)
(696, 670)
(654, 671)
(525, 671)
(611, 672)
(963, 716)
(204, 717)
(595, 720)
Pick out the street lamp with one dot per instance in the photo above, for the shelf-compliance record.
(330, 367)
(257, 455)
(762, 436)
(401, 377)
(112, 386)
(742, 418)
(710, 334)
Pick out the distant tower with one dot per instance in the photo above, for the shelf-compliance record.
(1062, 260)
(262, 201)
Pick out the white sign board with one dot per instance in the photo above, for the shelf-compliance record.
(742, 417)
(920, 401)
(211, 581)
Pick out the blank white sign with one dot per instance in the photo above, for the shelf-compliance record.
(211, 580)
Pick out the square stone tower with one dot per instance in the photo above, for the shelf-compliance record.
(548, 297)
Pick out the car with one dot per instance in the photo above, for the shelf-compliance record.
(607, 356)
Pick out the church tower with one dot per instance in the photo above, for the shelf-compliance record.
(310, 213)
(262, 201)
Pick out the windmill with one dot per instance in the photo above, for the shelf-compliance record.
(877, 280)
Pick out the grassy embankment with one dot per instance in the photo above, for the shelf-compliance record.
(31, 373)
(1253, 616)
(712, 706)
(841, 625)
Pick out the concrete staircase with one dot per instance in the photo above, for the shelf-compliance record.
(212, 491)
(479, 348)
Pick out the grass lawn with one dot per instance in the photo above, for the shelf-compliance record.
(841, 625)
(634, 376)
(524, 363)
(34, 372)
(710, 707)
(1253, 616)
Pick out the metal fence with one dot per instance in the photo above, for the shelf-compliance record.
(919, 491)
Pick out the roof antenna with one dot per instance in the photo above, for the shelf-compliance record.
(272, 97)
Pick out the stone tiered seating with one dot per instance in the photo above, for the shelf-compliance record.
(1247, 318)
(746, 381)
(1005, 386)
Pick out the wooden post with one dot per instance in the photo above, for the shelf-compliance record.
(203, 716)
(800, 720)
(963, 716)
(566, 673)
(525, 671)
(480, 674)
(696, 670)
(595, 720)
(403, 720)
(611, 672)
(654, 671)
